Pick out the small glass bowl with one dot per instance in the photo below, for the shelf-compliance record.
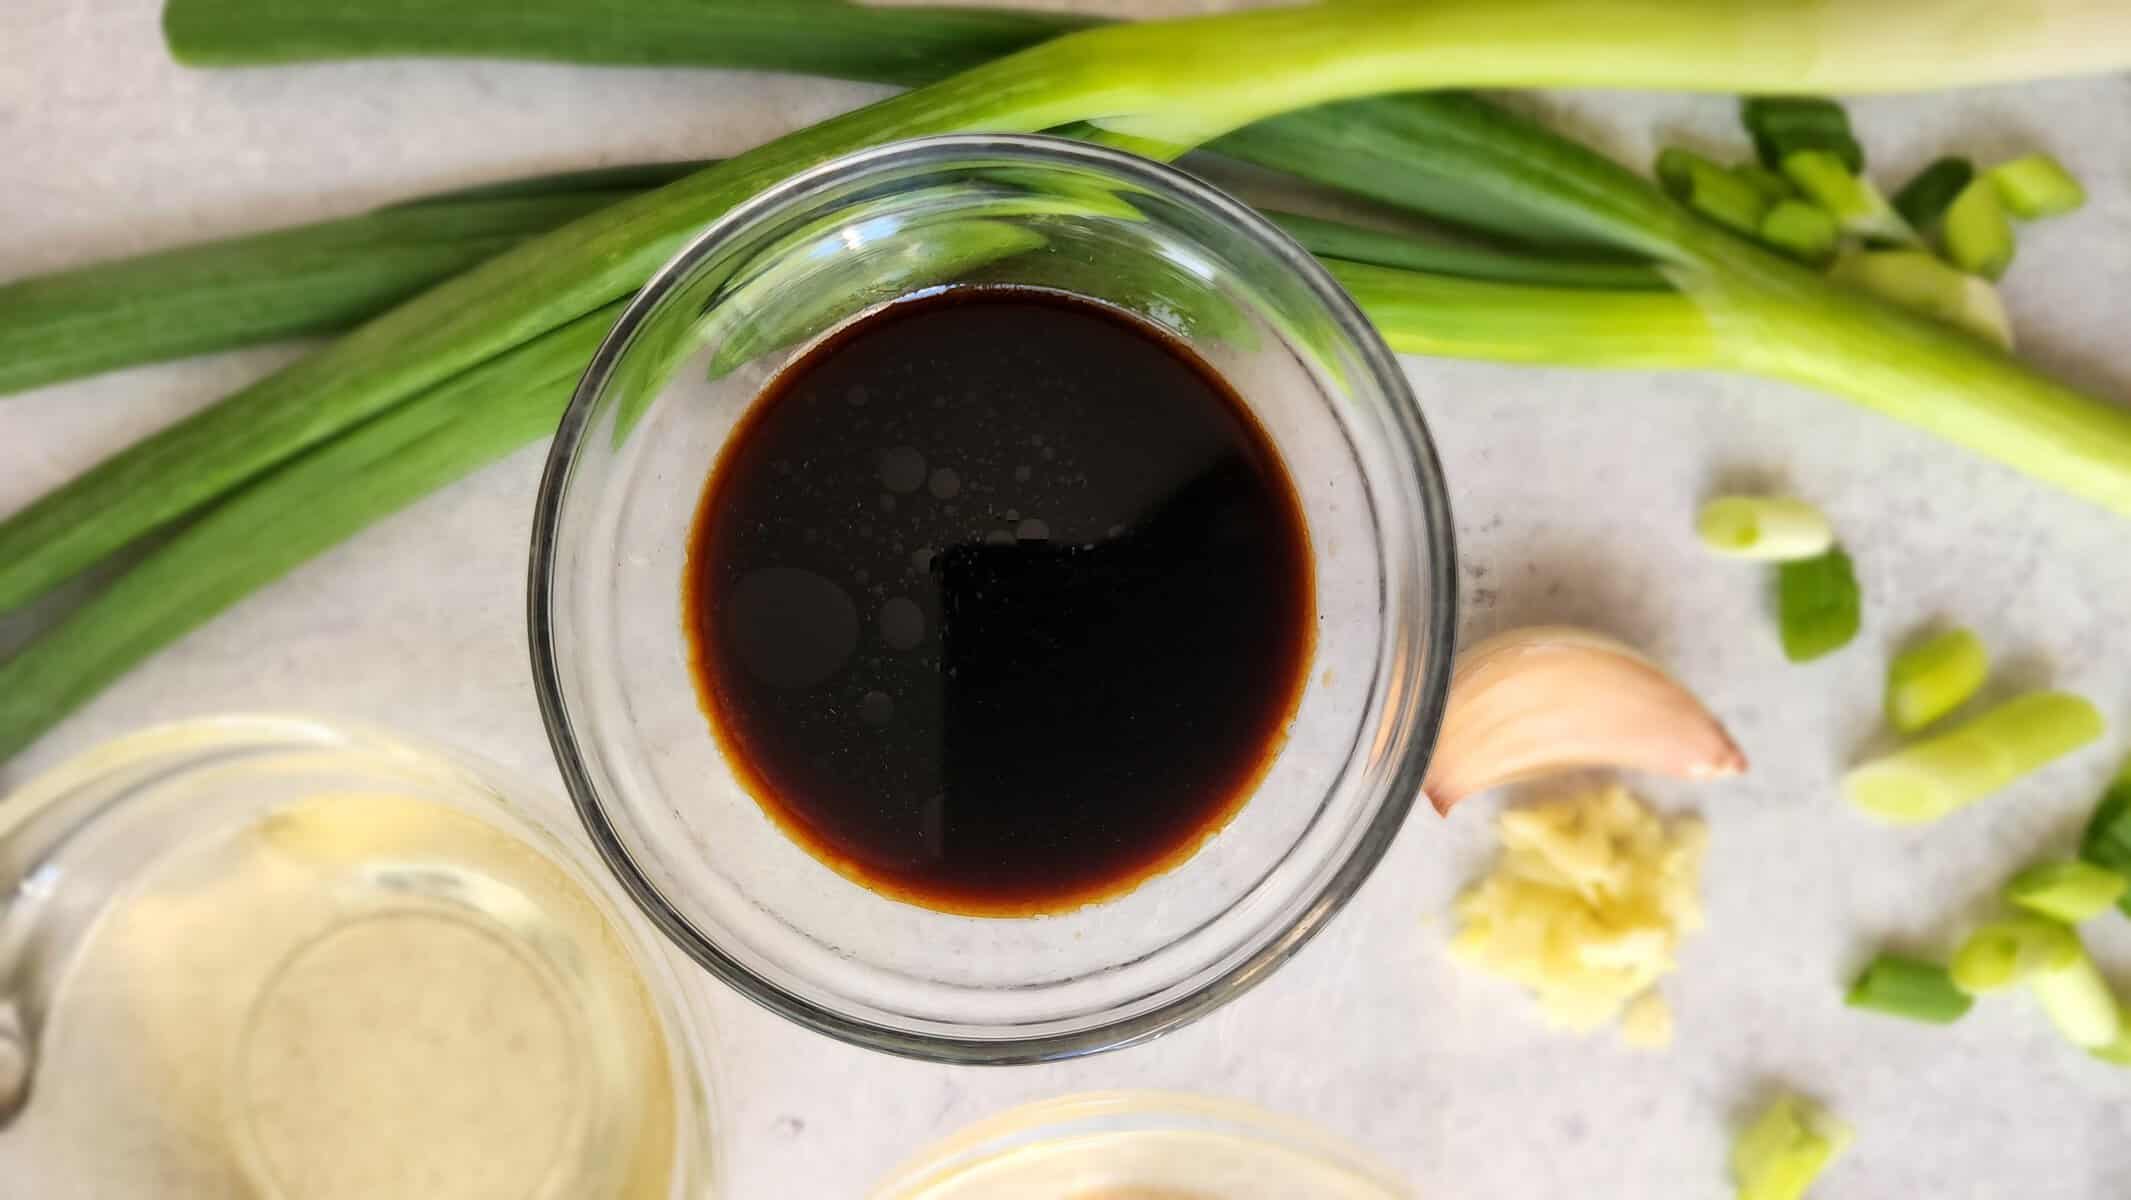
(612, 666)
(269, 956)
(1158, 1145)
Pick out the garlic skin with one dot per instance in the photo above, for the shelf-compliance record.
(1552, 698)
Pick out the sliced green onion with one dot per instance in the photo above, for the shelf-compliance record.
(1784, 125)
(1926, 285)
(1934, 677)
(1924, 199)
(1855, 204)
(2078, 1001)
(1909, 987)
(1818, 605)
(1948, 772)
(1804, 231)
(2107, 840)
(1772, 186)
(2037, 186)
(2118, 1051)
(2005, 952)
(2066, 891)
(1786, 1148)
(1711, 190)
(1769, 528)
(1977, 235)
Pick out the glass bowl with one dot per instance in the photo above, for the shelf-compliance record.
(611, 660)
(1153, 1145)
(268, 956)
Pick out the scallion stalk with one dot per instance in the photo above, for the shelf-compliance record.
(1937, 776)
(1911, 988)
(2078, 1002)
(1933, 677)
(1977, 234)
(1926, 197)
(1785, 1149)
(1783, 125)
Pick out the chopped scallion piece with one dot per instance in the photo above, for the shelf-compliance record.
(1769, 528)
(1934, 677)
(2107, 841)
(1977, 235)
(1924, 199)
(2037, 186)
(1939, 775)
(1818, 605)
(1855, 204)
(2003, 953)
(1804, 231)
(1711, 190)
(1909, 987)
(2068, 891)
(1786, 1148)
(1923, 283)
(2078, 1001)
(1773, 187)
(2118, 1051)
(1784, 125)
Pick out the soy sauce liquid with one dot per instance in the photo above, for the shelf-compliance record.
(1000, 601)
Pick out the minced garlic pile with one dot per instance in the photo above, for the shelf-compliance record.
(1586, 907)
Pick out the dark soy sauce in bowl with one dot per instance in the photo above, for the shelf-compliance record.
(1000, 601)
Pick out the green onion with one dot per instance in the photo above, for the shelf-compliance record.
(1786, 1148)
(1769, 528)
(1857, 351)
(1851, 199)
(2107, 840)
(1711, 190)
(2118, 1051)
(1803, 231)
(2037, 186)
(1934, 677)
(1466, 256)
(1773, 187)
(1939, 775)
(242, 291)
(1738, 308)
(1926, 286)
(302, 507)
(2002, 953)
(1925, 198)
(1784, 125)
(1818, 605)
(2067, 891)
(1911, 988)
(1977, 235)
(2078, 1001)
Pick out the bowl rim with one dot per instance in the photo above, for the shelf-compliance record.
(1425, 709)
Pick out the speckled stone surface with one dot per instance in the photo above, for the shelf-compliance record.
(1573, 493)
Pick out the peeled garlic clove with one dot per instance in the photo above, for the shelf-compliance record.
(1547, 699)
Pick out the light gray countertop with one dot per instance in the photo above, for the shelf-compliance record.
(1573, 493)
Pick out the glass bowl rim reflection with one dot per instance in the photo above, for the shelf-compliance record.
(1434, 621)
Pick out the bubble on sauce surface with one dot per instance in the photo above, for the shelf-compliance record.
(902, 469)
(945, 484)
(791, 628)
(902, 623)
